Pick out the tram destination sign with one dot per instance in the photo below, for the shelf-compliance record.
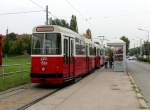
(45, 29)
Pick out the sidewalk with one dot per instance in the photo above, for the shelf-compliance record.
(101, 90)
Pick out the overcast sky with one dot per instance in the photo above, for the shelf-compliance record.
(110, 18)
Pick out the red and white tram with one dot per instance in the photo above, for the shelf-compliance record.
(60, 55)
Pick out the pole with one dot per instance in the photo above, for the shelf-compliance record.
(102, 40)
(148, 45)
(50, 21)
(46, 14)
(141, 48)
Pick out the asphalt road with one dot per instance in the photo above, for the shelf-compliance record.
(141, 73)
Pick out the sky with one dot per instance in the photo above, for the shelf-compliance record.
(109, 18)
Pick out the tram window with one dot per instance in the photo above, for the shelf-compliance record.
(98, 52)
(53, 44)
(46, 43)
(83, 50)
(37, 43)
(86, 49)
(77, 41)
(90, 49)
(72, 48)
(65, 51)
(95, 51)
(78, 49)
(65, 47)
(92, 52)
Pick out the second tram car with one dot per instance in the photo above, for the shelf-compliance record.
(60, 55)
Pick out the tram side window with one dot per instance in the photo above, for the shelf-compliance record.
(92, 52)
(65, 51)
(80, 47)
(95, 53)
(65, 47)
(72, 48)
(86, 50)
(77, 46)
(83, 49)
(98, 52)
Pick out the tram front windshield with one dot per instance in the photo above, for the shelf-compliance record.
(46, 44)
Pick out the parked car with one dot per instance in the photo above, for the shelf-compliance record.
(132, 58)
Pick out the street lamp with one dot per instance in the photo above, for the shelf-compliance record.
(103, 39)
(147, 39)
(145, 31)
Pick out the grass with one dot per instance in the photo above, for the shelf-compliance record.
(16, 71)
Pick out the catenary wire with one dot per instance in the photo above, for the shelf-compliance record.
(21, 12)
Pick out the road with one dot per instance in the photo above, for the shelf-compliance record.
(141, 73)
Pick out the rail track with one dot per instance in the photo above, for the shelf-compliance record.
(25, 96)
(22, 97)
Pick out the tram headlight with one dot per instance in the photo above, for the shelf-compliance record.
(43, 69)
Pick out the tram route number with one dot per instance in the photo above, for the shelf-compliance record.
(44, 61)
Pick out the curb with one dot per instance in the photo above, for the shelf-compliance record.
(142, 101)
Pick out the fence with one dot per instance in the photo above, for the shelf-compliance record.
(14, 75)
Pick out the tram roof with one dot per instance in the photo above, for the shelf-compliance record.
(55, 28)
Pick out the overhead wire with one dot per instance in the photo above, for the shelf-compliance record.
(21, 12)
(73, 7)
(38, 5)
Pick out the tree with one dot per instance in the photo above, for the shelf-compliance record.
(88, 34)
(27, 44)
(125, 39)
(19, 45)
(146, 48)
(6, 46)
(64, 23)
(11, 36)
(60, 22)
(73, 24)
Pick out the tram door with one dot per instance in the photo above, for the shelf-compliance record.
(71, 56)
(68, 56)
(87, 59)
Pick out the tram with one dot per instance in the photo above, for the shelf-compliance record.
(60, 55)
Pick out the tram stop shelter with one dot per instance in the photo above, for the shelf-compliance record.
(119, 55)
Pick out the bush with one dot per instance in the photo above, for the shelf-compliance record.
(16, 46)
(144, 59)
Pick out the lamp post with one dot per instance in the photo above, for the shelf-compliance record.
(102, 40)
(145, 31)
(148, 32)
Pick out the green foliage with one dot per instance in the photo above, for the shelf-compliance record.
(144, 59)
(88, 34)
(16, 46)
(73, 24)
(125, 39)
(146, 48)
(27, 44)
(60, 22)
(11, 36)
(6, 46)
